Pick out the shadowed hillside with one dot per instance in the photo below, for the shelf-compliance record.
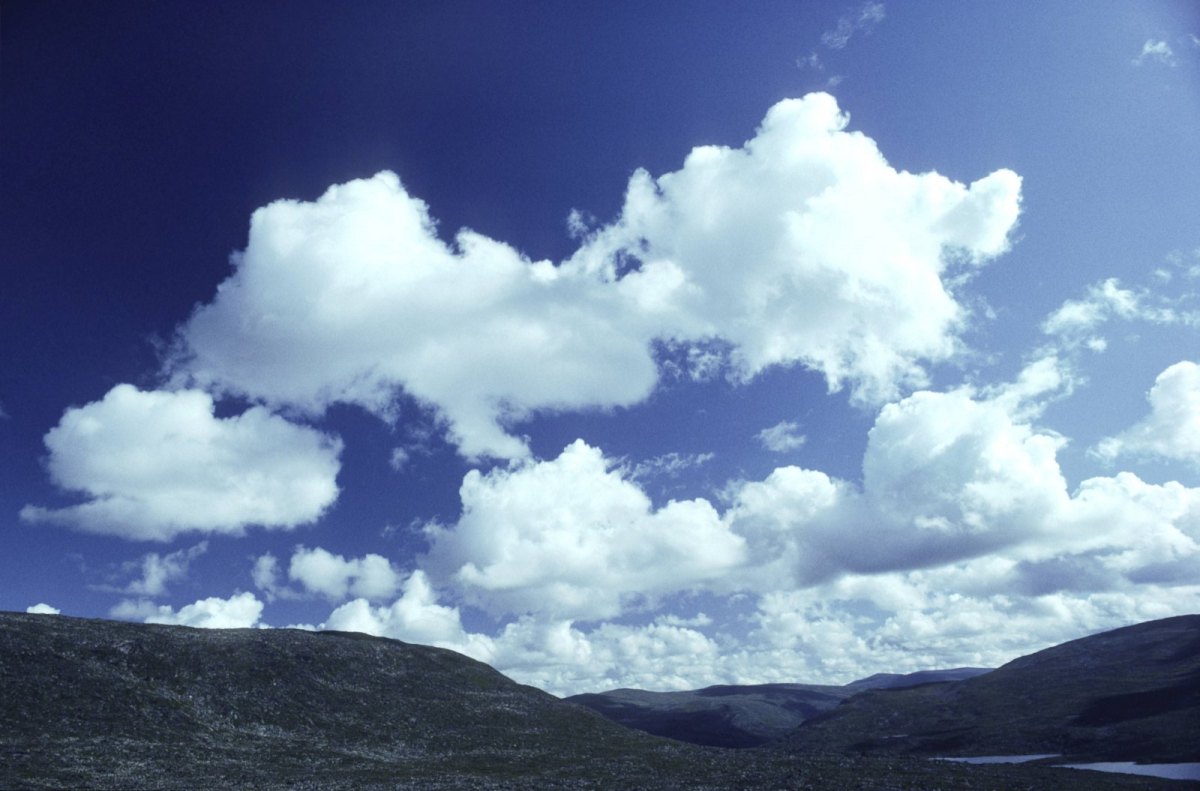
(1128, 694)
(101, 704)
(741, 715)
(84, 699)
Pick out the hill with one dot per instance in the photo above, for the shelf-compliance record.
(739, 715)
(91, 703)
(1131, 694)
(100, 704)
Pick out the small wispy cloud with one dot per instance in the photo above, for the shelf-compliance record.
(400, 458)
(811, 61)
(669, 465)
(782, 437)
(1156, 51)
(152, 573)
(861, 20)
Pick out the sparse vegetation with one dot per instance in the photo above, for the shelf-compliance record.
(100, 704)
(1130, 694)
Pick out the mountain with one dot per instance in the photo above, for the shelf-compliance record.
(901, 680)
(722, 716)
(1131, 694)
(741, 716)
(100, 704)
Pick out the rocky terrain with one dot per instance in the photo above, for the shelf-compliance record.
(1132, 694)
(741, 715)
(101, 704)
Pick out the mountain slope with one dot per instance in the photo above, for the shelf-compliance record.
(901, 680)
(729, 716)
(1128, 694)
(740, 715)
(100, 703)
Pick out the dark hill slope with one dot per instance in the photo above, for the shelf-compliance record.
(740, 715)
(99, 704)
(90, 703)
(722, 716)
(901, 680)
(1128, 694)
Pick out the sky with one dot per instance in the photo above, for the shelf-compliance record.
(615, 345)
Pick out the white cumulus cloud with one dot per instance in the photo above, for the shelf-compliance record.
(559, 656)
(944, 477)
(962, 546)
(354, 298)
(43, 609)
(1172, 429)
(947, 477)
(572, 537)
(761, 246)
(154, 464)
(335, 577)
(415, 617)
(240, 611)
(963, 523)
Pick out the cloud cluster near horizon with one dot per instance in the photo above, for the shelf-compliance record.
(963, 526)
(745, 259)
(963, 545)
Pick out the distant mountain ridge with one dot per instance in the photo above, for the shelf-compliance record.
(901, 680)
(742, 715)
(1130, 694)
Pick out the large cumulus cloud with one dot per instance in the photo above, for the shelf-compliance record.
(806, 246)
(154, 464)
(571, 537)
(354, 297)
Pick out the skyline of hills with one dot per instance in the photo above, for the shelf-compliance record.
(107, 704)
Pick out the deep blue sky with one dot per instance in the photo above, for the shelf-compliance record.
(138, 138)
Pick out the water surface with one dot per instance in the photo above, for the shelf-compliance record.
(1169, 771)
(1000, 759)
